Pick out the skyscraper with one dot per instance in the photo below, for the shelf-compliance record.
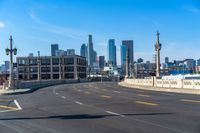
(101, 62)
(166, 60)
(94, 56)
(83, 51)
(129, 44)
(54, 48)
(70, 51)
(123, 54)
(112, 52)
(90, 51)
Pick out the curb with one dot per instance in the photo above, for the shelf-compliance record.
(173, 90)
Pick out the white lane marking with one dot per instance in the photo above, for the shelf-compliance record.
(117, 92)
(77, 102)
(113, 113)
(104, 89)
(63, 97)
(17, 104)
(168, 94)
(56, 93)
(79, 90)
(87, 92)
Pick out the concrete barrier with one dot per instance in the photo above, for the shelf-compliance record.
(165, 83)
(43, 83)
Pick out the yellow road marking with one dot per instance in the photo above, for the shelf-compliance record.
(142, 95)
(188, 100)
(7, 107)
(104, 96)
(147, 103)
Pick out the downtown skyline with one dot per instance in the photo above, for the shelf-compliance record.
(34, 29)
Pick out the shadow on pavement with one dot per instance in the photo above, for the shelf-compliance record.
(81, 116)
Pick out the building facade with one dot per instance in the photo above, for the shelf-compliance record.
(54, 48)
(83, 51)
(51, 67)
(129, 45)
(70, 51)
(90, 50)
(112, 53)
(101, 62)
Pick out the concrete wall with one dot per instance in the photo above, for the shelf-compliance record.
(165, 83)
(42, 83)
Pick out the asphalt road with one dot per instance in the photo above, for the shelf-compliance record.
(99, 108)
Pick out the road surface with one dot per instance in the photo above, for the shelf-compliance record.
(99, 108)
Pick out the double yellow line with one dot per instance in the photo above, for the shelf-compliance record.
(7, 107)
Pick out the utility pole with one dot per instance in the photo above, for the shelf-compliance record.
(10, 52)
(39, 66)
(158, 48)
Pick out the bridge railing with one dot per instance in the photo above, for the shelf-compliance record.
(165, 83)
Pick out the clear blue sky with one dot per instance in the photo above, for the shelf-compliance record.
(35, 24)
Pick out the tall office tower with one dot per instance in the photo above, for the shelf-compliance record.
(129, 44)
(123, 58)
(166, 60)
(90, 51)
(54, 48)
(83, 51)
(123, 54)
(112, 52)
(94, 56)
(101, 62)
(70, 51)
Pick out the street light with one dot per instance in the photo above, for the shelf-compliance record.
(10, 52)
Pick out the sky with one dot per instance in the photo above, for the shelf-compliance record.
(36, 24)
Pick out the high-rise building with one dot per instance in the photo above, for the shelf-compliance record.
(94, 56)
(129, 45)
(54, 48)
(101, 62)
(198, 62)
(83, 51)
(70, 51)
(166, 60)
(123, 58)
(112, 52)
(123, 54)
(61, 52)
(140, 60)
(90, 51)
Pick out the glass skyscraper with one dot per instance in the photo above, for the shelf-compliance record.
(112, 52)
(54, 48)
(129, 45)
(83, 51)
(90, 51)
(123, 54)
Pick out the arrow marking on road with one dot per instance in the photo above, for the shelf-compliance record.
(77, 102)
(17, 104)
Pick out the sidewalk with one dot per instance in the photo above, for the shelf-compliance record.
(174, 90)
(16, 91)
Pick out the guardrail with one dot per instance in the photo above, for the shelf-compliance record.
(187, 84)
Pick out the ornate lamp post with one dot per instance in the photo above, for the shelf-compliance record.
(10, 52)
(158, 48)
